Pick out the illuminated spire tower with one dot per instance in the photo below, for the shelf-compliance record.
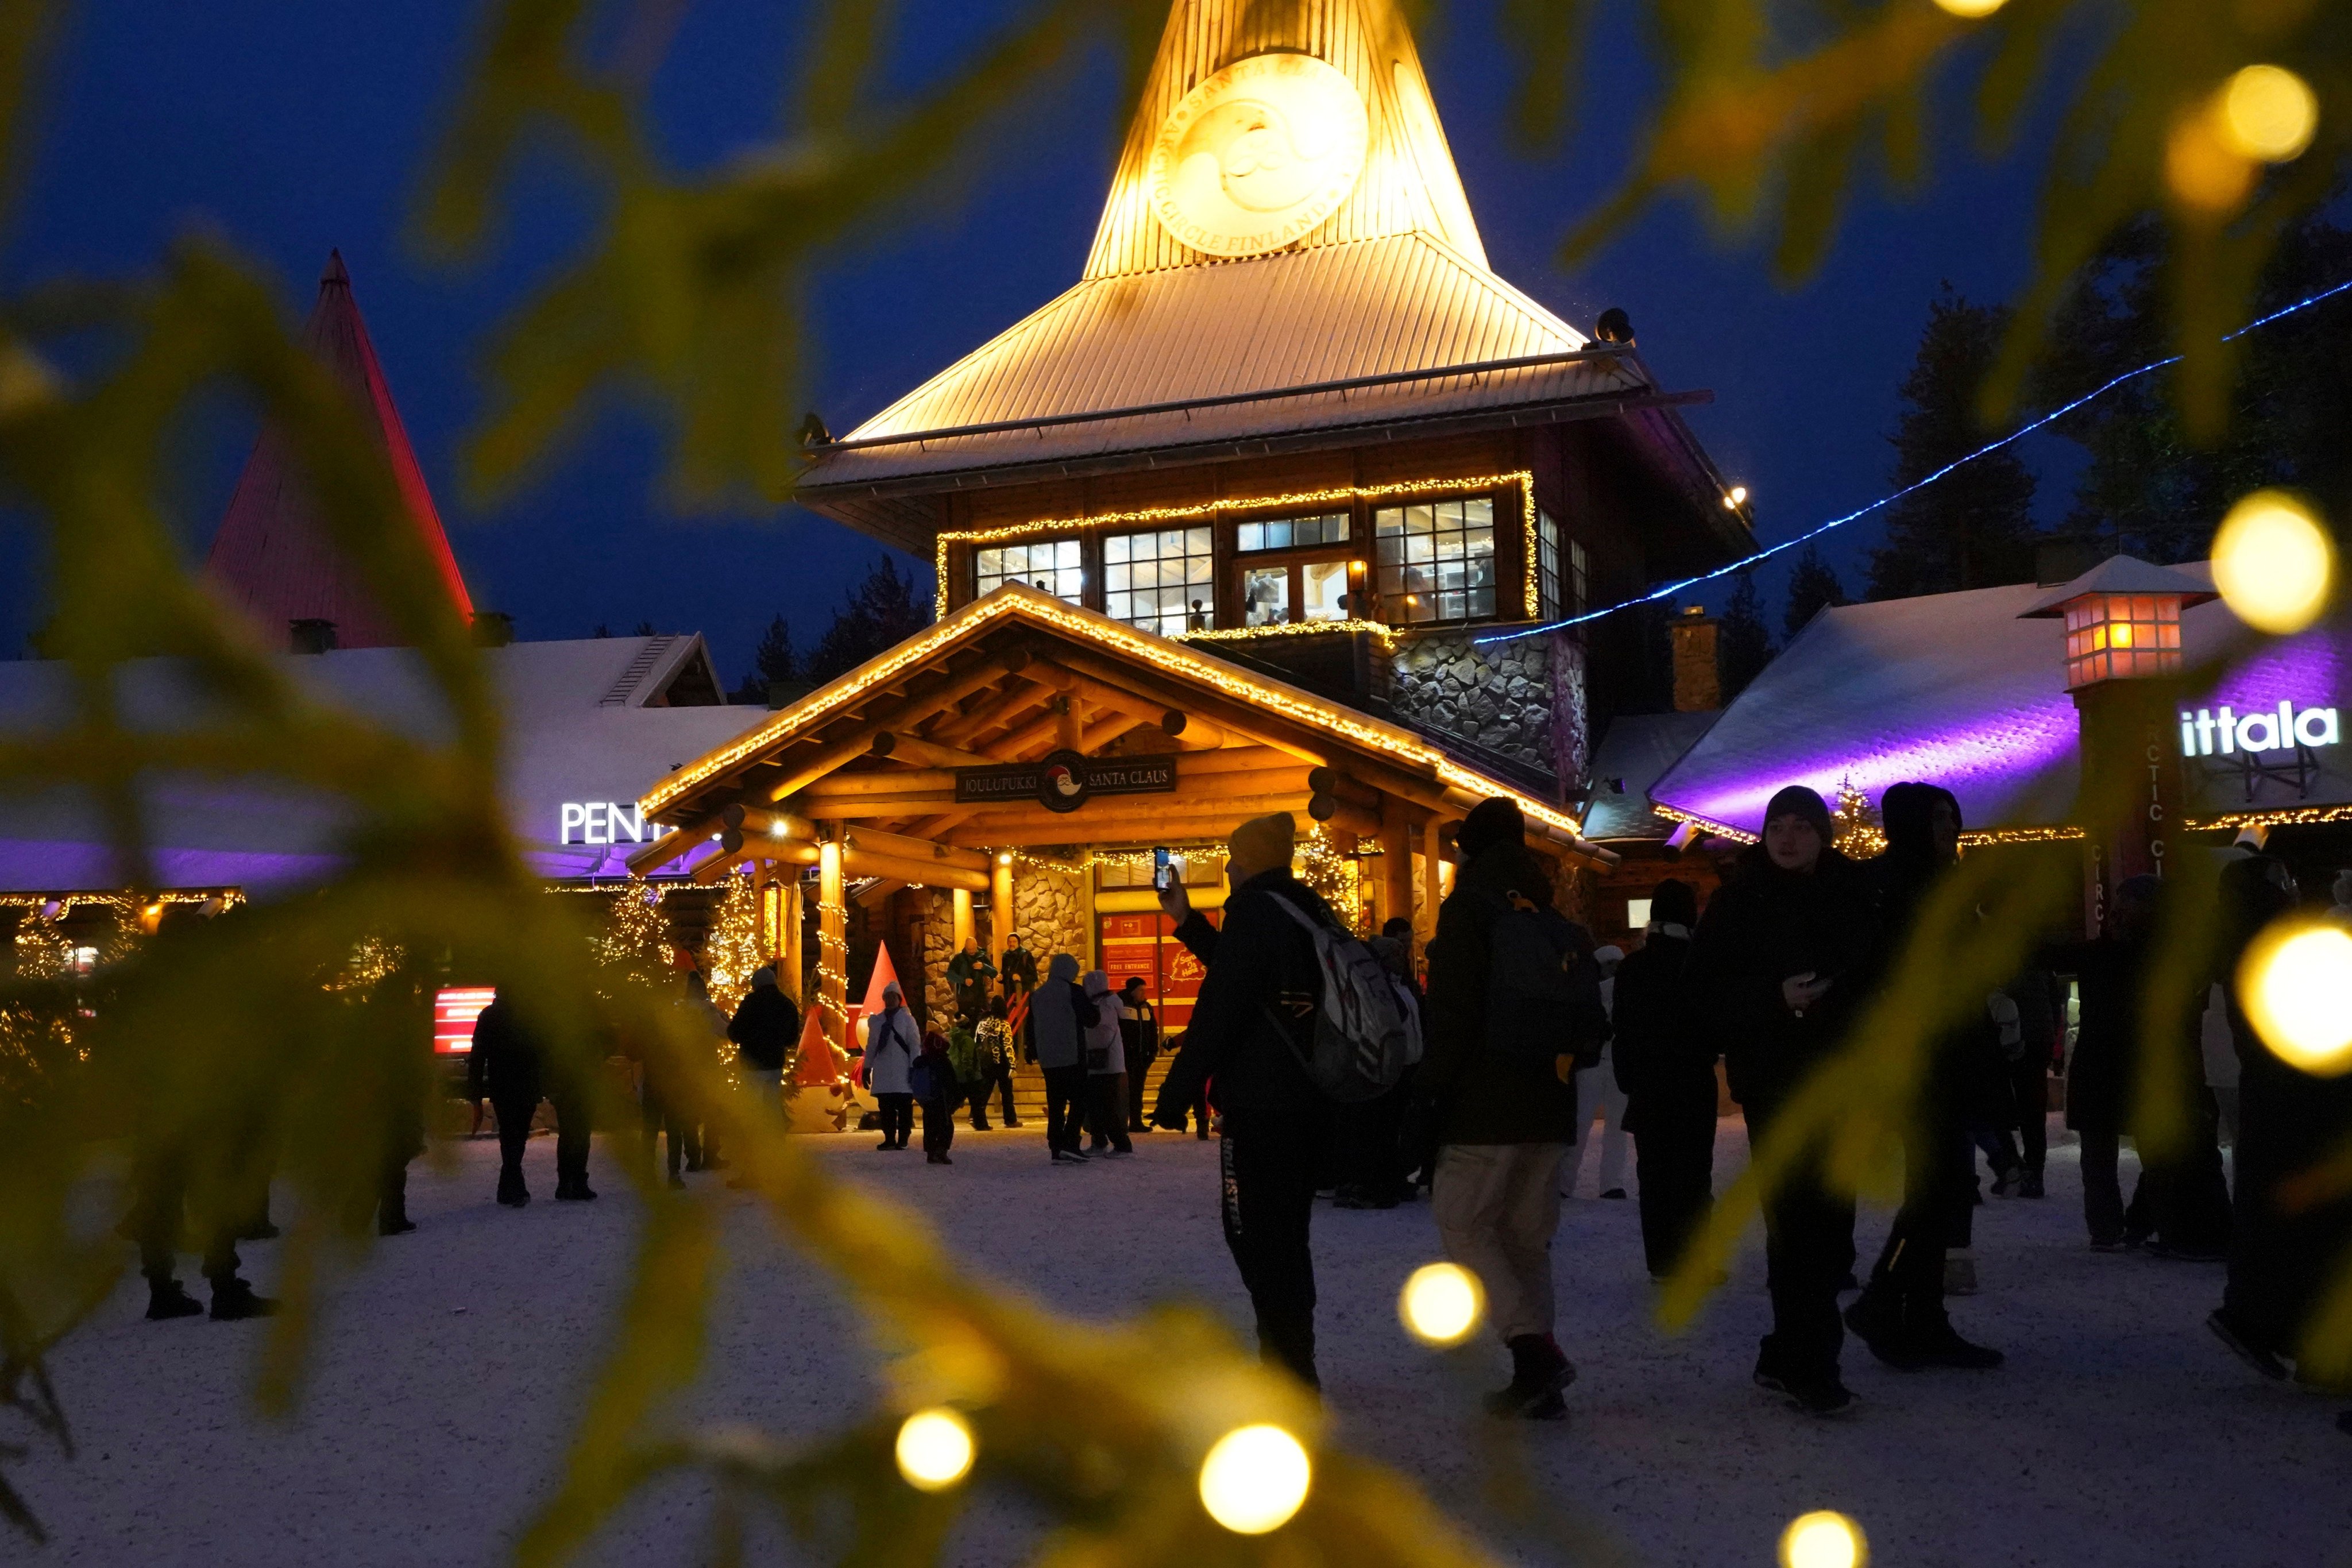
(272, 557)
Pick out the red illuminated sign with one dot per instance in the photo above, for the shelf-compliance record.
(454, 1012)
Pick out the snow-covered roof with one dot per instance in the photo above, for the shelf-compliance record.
(588, 723)
(1957, 690)
(1633, 750)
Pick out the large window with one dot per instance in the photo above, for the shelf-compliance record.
(1292, 532)
(1580, 579)
(1164, 582)
(1053, 565)
(1436, 561)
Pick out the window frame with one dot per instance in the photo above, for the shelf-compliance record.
(1208, 584)
(1294, 559)
(1085, 568)
(1507, 603)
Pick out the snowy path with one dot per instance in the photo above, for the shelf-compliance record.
(448, 1372)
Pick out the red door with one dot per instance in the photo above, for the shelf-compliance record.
(1147, 945)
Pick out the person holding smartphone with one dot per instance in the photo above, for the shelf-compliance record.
(1767, 964)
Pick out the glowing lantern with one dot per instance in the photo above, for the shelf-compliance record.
(2123, 620)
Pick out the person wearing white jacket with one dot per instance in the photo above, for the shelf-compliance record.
(1596, 1090)
(892, 1044)
(1106, 1061)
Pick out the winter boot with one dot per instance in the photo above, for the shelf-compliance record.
(577, 1193)
(233, 1301)
(1817, 1395)
(511, 1189)
(169, 1298)
(1538, 1370)
(1938, 1344)
(2245, 1344)
(1877, 1320)
(394, 1225)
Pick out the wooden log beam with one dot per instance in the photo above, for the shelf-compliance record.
(1190, 730)
(879, 893)
(915, 849)
(1229, 713)
(752, 822)
(892, 781)
(1103, 694)
(860, 862)
(914, 751)
(669, 846)
(962, 729)
(801, 771)
(875, 809)
(1233, 759)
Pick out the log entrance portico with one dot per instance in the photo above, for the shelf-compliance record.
(892, 776)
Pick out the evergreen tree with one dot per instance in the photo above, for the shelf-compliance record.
(2146, 490)
(772, 662)
(634, 947)
(1743, 642)
(881, 612)
(1973, 528)
(1813, 587)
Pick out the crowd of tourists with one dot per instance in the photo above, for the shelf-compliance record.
(1328, 1068)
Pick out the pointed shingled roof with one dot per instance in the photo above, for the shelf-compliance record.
(272, 556)
(1330, 95)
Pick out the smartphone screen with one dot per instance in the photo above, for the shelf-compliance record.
(1160, 867)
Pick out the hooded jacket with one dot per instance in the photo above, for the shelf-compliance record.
(1103, 1034)
(1763, 926)
(1060, 1014)
(892, 1044)
(1663, 1052)
(1483, 1095)
(765, 1028)
(1260, 969)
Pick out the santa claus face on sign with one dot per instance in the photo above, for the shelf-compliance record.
(1062, 780)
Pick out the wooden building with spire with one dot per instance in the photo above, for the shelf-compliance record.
(1263, 513)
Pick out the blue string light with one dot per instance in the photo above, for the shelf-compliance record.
(1671, 589)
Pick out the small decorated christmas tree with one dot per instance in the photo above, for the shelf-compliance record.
(1858, 833)
(634, 947)
(732, 950)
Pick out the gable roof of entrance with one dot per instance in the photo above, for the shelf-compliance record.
(1018, 674)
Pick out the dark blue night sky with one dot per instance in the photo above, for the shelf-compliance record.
(294, 128)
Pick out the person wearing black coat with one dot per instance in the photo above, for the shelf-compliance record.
(511, 1066)
(1900, 1314)
(1773, 964)
(2180, 1207)
(1504, 1105)
(2287, 1247)
(1665, 1061)
(765, 1028)
(1260, 982)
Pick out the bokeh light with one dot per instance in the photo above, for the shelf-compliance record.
(2273, 563)
(2202, 170)
(1254, 1478)
(935, 1449)
(1823, 1539)
(1442, 1304)
(2267, 113)
(1971, 9)
(2296, 983)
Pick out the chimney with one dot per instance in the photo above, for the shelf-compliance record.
(1698, 688)
(312, 635)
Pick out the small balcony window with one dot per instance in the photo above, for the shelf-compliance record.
(1055, 566)
(1164, 582)
(1436, 561)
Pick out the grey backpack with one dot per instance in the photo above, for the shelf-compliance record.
(1367, 1031)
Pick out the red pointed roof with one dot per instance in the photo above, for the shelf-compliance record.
(272, 556)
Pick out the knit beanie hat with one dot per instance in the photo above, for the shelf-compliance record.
(1674, 903)
(1261, 845)
(1798, 801)
(1494, 820)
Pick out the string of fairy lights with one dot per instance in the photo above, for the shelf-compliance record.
(1521, 480)
(1669, 590)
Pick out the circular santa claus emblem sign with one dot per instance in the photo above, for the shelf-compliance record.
(1062, 782)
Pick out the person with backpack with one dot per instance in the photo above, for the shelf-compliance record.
(1106, 1070)
(1513, 1011)
(1665, 1062)
(1774, 964)
(1059, 1016)
(765, 1028)
(1261, 992)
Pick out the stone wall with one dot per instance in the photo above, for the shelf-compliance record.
(1049, 914)
(1499, 698)
(939, 946)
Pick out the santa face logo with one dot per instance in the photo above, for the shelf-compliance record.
(1062, 782)
(1258, 156)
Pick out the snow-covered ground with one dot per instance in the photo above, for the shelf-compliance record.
(449, 1370)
